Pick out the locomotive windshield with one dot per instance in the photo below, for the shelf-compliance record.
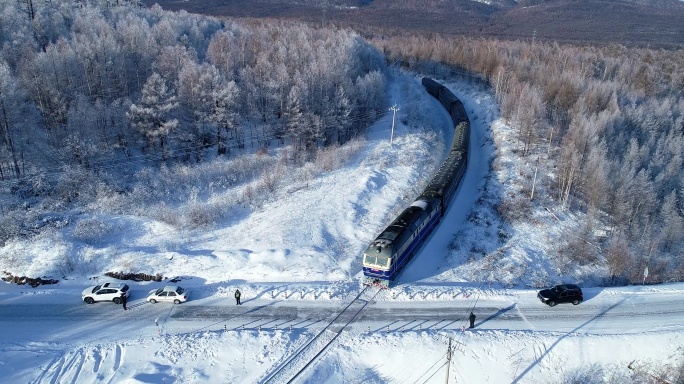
(379, 261)
(383, 261)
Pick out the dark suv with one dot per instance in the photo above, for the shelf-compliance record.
(564, 293)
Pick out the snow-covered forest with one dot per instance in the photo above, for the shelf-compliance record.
(601, 130)
(95, 96)
(182, 82)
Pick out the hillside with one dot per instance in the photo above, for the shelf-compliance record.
(298, 256)
(631, 23)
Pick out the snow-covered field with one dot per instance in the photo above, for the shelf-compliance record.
(297, 261)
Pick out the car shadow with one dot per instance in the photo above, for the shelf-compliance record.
(590, 293)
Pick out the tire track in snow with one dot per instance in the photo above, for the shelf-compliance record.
(97, 360)
(67, 367)
(49, 369)
(55, 370)
(117, 353)
(72, 368)
(118, 357)
(101, 357)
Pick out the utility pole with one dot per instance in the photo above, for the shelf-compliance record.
(394, 109)
(448, 364)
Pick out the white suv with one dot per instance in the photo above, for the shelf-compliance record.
(106, 292)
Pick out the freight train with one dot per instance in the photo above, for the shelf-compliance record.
(394, 247)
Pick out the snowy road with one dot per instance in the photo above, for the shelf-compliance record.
(604, 311)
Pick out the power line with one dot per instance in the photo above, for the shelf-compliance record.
(426, 380)
(441, 358)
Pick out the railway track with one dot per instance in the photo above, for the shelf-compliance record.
(291, 367)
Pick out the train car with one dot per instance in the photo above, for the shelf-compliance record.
(394, 247)
(447, 179)
(461, 136)
(458, 113)
(432, 86)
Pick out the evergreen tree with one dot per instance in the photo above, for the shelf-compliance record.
(153, 115)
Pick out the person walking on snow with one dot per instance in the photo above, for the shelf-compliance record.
(237, 297)
(472, 320)
(123, 301)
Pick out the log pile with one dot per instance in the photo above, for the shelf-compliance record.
(24, 280)
(134, 276)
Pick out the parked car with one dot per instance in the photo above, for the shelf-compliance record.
(172, 293)
(106, 292)
(563, 293)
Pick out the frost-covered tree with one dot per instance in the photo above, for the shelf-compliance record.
(211, 99)
(10, 120)
(295, 117)
(153, 115)
(343, 111)
(28, 8)
(672, 222)
(595, 181)
(222, 113)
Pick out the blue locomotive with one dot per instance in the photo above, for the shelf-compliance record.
(394, 247)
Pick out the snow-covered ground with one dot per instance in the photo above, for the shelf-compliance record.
(297, 261)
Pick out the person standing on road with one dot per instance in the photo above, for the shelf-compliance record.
(123, 301)
(237, 297)
(472, 320)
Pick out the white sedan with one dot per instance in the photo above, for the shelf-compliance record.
(171, 293)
